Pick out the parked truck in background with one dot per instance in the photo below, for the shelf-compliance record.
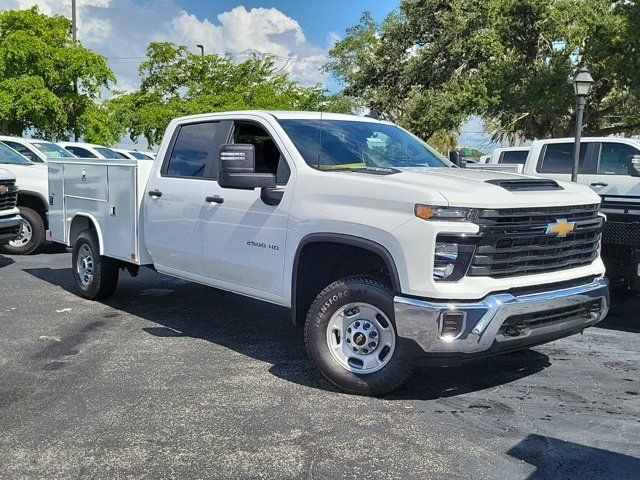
(611, 167)
(10, 221)
(32, 201)
(385, 252)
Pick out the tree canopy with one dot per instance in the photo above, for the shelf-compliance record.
(38, 65)
(433, 63)
(175, 82)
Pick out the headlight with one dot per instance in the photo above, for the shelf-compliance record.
(430, 212)
(451, 261)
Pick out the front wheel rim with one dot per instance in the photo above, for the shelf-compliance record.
(85, 265)
(25, 236)
(361, 338)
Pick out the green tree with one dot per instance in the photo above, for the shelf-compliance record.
(434, 62)
(38, 63)
(175, 82)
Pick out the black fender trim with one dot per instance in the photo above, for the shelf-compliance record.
(344, 239)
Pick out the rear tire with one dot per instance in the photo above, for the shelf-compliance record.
(96, 276)
(350, 336)
(32, 234)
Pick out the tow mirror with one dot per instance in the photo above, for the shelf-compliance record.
(456, 158)
(634, 166)
(237, 168)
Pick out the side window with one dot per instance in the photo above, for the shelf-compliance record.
(22, 150)
(614, 158)
(192, 151)
(268, 157)
(518, 157)
(558, 158)
(80, 152)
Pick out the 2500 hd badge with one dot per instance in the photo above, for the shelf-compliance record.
(251, 243)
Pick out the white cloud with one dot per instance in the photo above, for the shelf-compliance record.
(87, 26)
(259, 30)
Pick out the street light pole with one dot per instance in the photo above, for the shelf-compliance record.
(582, 86)
(582, 101)
(201, 47)
(74, 36)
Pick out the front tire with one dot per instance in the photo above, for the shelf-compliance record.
(350, 336)
(32, 234)
(96, 276)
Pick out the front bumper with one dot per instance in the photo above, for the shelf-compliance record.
(10, 228)
(553, 314)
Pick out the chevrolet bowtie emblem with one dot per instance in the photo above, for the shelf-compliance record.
(3, 190)
(561, 228)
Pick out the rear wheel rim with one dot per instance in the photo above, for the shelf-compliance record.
(361, 338)
(25, 236)
(85, 265)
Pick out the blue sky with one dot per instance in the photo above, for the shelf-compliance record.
(317, 18)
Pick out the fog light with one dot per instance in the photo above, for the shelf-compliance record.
(451, 325)
(445, 260)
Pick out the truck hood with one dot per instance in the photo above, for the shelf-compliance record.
(476, 188)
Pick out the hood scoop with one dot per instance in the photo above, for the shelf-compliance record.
(526, 184)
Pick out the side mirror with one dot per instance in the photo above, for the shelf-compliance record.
(634, 166)
(237, 168)
(456, 158)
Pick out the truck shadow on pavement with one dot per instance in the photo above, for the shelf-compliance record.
(264, 332)
(554, 458)
(622, 315)
(6, 261)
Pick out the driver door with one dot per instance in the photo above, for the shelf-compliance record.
(244, 239)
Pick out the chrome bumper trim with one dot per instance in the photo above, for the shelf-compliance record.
(419, 320)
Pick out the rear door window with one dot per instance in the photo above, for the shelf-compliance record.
(558, 158)
(517, 157)
(614, 158)
(193, 150)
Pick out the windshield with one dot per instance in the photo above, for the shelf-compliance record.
(9, 155)
(51, 150)
(344, 144)
(108, 153)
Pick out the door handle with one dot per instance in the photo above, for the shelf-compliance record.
(599, 184)
(215, 199)
(155, 193)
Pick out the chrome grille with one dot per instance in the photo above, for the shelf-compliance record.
(8, 199)
(515, 242)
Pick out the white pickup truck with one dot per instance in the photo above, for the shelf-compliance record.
(510, 159)
(10, 221)
(32, 182)
(388, 254)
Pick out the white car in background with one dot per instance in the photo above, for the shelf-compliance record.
(91, 150)
(33, 201)
(35, 150)
(132, 154)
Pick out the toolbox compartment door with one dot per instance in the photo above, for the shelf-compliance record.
(88, 182)
(56, 216)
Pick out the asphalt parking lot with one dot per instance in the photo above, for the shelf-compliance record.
(168, 379)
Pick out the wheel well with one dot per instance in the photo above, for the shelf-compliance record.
(34, 202)
(320, 263)
(79, 224)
